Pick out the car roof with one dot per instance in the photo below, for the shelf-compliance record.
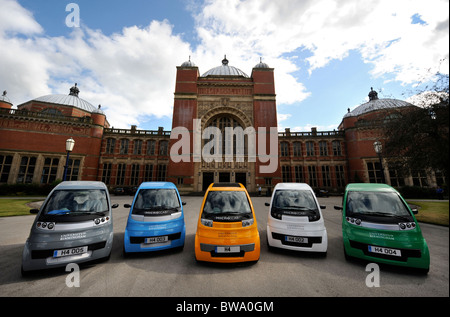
(297, 186)
(81, 185)
(226, 186)
(370, 187)
(157, 185)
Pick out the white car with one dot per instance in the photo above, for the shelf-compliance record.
(295, 219)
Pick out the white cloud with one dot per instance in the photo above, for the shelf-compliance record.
(382, 31)
(132, 73)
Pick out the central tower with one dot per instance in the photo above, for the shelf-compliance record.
(207, 108)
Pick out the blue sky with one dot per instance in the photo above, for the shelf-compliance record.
(326, 54)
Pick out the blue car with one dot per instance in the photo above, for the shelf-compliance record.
(156, 219)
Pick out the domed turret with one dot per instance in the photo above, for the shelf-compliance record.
(261, 64)
(4, 101)
(188, 63)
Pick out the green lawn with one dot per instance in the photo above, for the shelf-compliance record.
(435, 212)
(15, 207)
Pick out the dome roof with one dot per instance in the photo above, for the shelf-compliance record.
(188, 63)
(225, 70)
(69, 100)
(261, 64)
(375, 104)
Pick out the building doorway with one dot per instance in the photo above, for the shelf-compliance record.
(241, 178)
(208, 178)
(224, 177)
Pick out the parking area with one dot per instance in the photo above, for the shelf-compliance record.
(278, 273)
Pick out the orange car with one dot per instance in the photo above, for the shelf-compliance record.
(227, 231)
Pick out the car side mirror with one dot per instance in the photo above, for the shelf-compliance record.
(34, 211)
(323, 207)
(338, 207)
(183, 203)
(415, 211)
(267, 204)
(115, 206)
(127, 205)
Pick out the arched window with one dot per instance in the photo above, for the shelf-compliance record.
(225, 142)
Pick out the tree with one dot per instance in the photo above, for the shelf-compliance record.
(418, 139)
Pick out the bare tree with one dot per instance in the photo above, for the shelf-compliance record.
(419, 139)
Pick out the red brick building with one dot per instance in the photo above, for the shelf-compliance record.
(198, 150)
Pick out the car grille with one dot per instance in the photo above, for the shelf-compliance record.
(43, 254)
(139, 240)
(311, 240)
(406, 253)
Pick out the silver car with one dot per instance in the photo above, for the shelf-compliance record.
(74, 225)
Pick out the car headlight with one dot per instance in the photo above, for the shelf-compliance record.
(207, 222)
(247, 222)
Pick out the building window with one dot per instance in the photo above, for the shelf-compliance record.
(374, 170)
(26, 170)
(420, 179)
(297, 149)
(49, 170)
(340, 177)
(151, 144)
(137, 147)
(440, 177)
(106, 176)
(323, 148)
(163, 148)
(134, 178)
(284, 149)
(286, 173)
(124, 146)
(299, 174)
(224, 144)
(148, 173)
(312, 176)
(52, 112)
(326, 178)
(162, 169)
(337, 151)
(121, 174)
(5, 167)
(310, 148)
(73, 170)
(110, 145)
(396, 178)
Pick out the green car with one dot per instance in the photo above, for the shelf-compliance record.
(379, 226)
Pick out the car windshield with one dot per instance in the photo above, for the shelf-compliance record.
(294, 202)
(156, 201)
(227, 206)
(75, 203)
(376, 204)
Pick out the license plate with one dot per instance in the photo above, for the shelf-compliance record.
(160, 239)
(228, 249)
(296, 239)
(67, 252)
(386, 251)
